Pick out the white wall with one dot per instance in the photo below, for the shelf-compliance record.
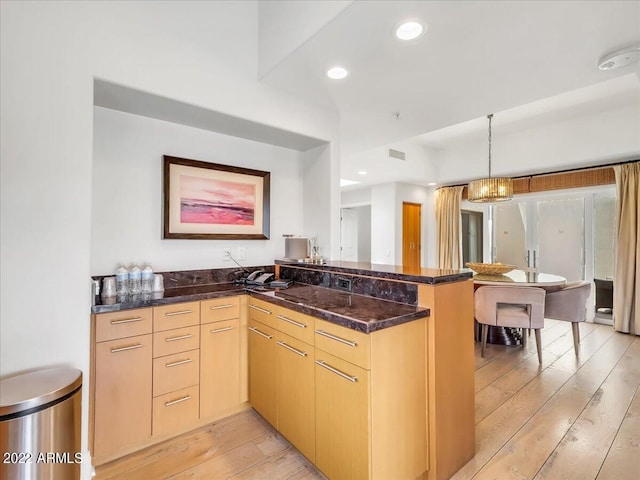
(364, 233)
(355, 198)
(127, 193)
(50, 54)
(321, 181)
(383, 224)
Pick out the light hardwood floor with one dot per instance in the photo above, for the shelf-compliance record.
(569, 418)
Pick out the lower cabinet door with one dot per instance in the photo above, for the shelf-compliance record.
(219, 367)
(122, 394)
(263, 371)
(342, 418)
(296, 394)
(174, 411)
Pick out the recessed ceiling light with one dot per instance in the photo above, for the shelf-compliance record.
(362, 172)
(337, 73)
(410, 30)
(431, 184)
(345, 183)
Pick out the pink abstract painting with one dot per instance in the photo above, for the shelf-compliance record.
(216, 202)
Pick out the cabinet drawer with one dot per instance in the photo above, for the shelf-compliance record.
(177, 340)
(178, 315)
(129, 323)
(174, 372)
(345, 343)
(296, 324)
(218, 309)
(176, 410)
(264, 312)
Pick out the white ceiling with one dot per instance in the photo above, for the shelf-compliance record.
(531, 60)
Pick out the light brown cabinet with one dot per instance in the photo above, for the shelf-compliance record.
(121, 381)
(176, 367)
(281, 372)
(296, 411)
(343, 398)
(263, 394)
(342, 418)
(174, 411)
(219, 356)
(174, 372)
(371, 399)
(162, 370)
(178, 315)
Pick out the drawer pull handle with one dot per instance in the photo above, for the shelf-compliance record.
(292, 322)
(218, 330)
(179, 400)
(351, 343)
(259, 309)
(180, 337)
(128, 347)
(294, 350)
(126, 320)
(255, 330)
(180, 312)
(336, 371)
(219, 307)
(179, 362)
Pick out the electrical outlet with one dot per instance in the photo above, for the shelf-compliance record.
(241, 253)
(226, 254)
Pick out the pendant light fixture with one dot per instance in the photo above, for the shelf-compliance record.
(490, 189)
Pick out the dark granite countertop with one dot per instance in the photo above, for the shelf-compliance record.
(359, 312)
(394, 272)
(170, 295)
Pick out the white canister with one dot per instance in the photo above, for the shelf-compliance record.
(158, 282)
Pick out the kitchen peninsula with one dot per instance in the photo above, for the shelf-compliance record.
(350, 363)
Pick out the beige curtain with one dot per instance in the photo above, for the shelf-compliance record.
(448, 227)
(626, 280)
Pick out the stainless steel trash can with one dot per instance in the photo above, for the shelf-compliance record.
(40, 425)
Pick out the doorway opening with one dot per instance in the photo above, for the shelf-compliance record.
(472, 246)
(355, 234)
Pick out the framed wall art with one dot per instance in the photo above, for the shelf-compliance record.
(210, 201)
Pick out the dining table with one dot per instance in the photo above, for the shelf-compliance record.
(515, 278)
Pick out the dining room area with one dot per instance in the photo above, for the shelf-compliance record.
(557, 352)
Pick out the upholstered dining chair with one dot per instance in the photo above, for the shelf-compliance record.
(569, 304)
(515, 307)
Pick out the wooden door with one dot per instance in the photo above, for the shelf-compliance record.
(343, 447)
(123, 385)
(296, 394)
(219, 367)
(411, 238)
(263, 394)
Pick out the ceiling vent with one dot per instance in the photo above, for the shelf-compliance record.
(396, 154)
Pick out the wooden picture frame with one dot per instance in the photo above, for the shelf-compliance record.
(209, 201)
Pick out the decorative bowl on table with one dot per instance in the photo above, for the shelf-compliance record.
(490, 268)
